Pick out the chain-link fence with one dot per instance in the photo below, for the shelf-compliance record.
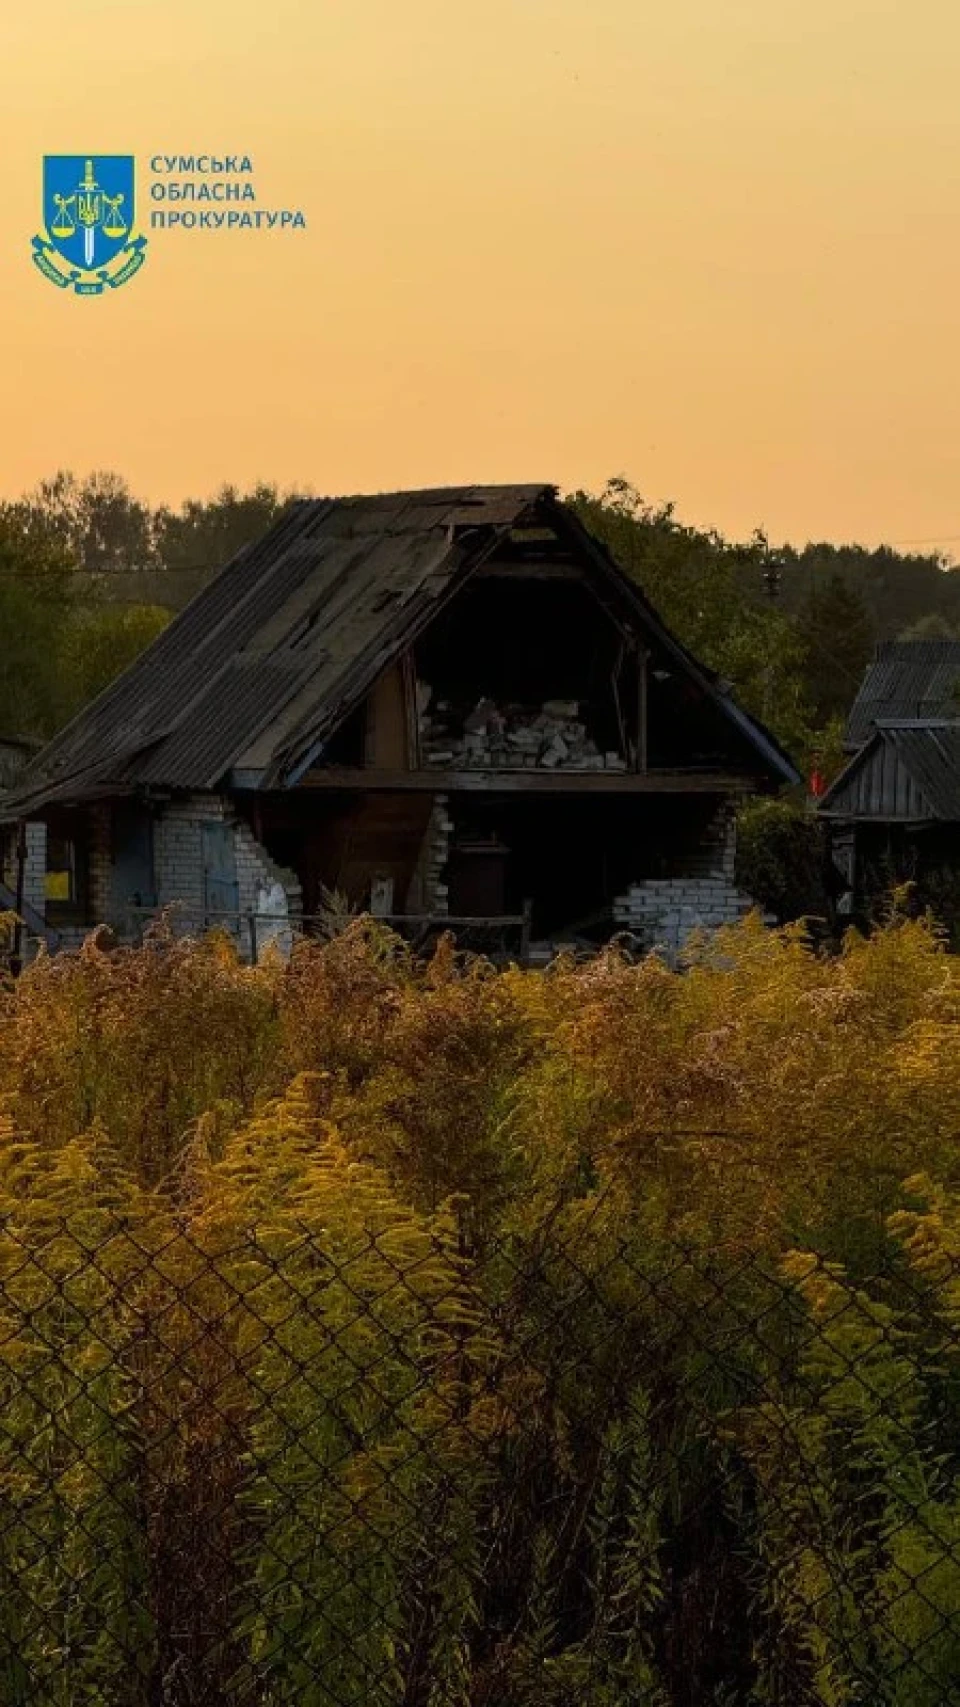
(267, 1464)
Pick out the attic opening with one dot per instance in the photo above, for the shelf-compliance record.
(524, 668)
(529, 667)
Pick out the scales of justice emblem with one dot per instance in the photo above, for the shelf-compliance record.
(89, 243)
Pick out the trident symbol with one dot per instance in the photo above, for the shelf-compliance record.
(94, 210)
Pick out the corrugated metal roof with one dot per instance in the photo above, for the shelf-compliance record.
(290, 635)
(908, 771)
(907, 679)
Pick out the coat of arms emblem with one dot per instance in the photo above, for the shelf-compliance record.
(89, 242)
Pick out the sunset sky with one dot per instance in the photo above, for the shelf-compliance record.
(713, 245)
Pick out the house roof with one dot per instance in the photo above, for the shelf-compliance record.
(907, 679)
(908, 771)
(271, 656)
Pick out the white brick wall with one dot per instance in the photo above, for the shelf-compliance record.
(178, 857)
(665, 912)
(434, 857)
(257, 871)
(178, 849)
(35, 870)
(178, 852)
(34, 873)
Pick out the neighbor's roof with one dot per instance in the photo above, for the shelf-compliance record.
(907, 771)
(270, 657)
(907, 679)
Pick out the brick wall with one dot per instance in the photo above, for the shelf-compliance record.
(430, 890)
(179, 868)
(178, 849)
(178, 853)
(35, 870)
(100, 863)
(663, 913)
(256, 871)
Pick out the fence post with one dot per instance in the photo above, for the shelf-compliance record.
(16, 965)
(253, 938)
(525, 932)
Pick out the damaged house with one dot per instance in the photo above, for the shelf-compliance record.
(440, 705)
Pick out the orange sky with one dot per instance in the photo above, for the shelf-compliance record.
(711, 244)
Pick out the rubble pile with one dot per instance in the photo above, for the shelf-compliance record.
(497, 737)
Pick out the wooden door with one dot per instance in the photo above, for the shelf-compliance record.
(221, 888)
(478, 880)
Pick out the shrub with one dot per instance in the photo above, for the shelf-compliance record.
(782, 859)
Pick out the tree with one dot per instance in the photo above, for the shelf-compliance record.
(101, 641)
(64, 640)
(838, 638)
(206, 533)
(898, 588)
(96, 522)
(37, 601)
(933, 626)
(697, 582)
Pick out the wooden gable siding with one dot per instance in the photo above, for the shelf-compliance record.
(391, 742)
(881, 787)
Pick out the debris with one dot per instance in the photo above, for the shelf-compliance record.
(487, 735)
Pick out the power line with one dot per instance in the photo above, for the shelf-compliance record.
(932, 539)
(155, 572)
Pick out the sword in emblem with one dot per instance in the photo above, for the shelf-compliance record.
(89, 211)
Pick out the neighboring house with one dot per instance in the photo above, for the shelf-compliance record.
(894, 810)
(440, 704)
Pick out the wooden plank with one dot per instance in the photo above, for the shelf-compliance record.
(529, 569)
(387, 725)
(442, 781)
(408, 673)
(643, 664)
(618, 708)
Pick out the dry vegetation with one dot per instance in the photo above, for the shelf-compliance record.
(425, 1335)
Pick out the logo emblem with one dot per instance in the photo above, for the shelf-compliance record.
(89, 241)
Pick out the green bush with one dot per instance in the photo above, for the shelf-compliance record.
(782, 859)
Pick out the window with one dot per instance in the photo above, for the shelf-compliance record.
(60, 883)
(65, 885)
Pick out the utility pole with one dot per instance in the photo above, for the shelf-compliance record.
(772, 577)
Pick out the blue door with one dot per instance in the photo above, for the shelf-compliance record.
(134, 879)
(221, 889)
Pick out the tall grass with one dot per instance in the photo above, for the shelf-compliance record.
(419, 1335)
